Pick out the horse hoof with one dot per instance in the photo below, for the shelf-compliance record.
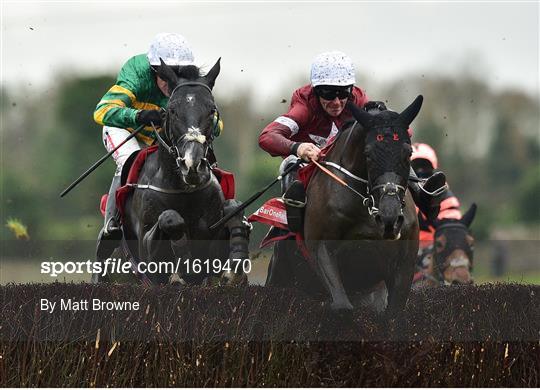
(171, 223)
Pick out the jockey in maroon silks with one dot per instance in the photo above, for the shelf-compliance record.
(316, 114)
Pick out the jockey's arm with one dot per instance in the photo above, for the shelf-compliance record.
(277, 137)
(449, 207)
(120, 105)
(115, 107)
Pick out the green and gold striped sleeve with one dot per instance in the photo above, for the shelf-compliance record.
(115, 108)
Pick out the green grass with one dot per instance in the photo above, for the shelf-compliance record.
(530, 277)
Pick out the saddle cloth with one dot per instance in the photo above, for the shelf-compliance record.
(132, 169)
(273, 213)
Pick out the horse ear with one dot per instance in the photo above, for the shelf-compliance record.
(212, 75)
(469, 215)
(359, 114)
(167, 74)
(408, 115)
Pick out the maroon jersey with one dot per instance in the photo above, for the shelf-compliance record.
(306, 121)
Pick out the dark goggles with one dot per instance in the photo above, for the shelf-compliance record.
(330, 92)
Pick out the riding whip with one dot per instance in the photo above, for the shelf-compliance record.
(254, 197)
(100, 161)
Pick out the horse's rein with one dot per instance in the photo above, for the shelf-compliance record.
(366, 201)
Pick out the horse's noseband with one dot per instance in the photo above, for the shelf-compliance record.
(191, 136)
(175, 152)
(392, 189)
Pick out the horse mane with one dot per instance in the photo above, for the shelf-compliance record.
(189, 72)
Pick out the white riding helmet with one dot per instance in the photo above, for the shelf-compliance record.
(332, 68)
(173, 48)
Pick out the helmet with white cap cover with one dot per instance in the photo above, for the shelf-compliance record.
(332, 68)
(173, 48)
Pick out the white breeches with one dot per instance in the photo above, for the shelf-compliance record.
(112, 137)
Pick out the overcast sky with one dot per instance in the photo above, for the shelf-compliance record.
(264, 44)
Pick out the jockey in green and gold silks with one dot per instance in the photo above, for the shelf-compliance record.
(138, 98)
(135, 89)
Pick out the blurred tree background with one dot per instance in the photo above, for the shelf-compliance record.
(487, 141)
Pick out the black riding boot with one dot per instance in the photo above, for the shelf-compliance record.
(428, 194)
(111, 227)
(289, 178)
(294, 197)
(295, 203)
(110, 234)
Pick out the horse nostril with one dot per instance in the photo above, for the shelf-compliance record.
(202, 165)
(181, 163)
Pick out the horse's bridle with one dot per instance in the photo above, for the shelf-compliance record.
(173, 150)
(390, 189)
(469, 251)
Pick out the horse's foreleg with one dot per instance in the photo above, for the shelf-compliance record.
(170, 228)
(399, 284)
(331, 278)
(238, 230)
(238, 241)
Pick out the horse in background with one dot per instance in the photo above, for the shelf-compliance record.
(449, 260)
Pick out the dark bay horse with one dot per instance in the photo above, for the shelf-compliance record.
(363, 241)
(178, 197)
(453, 250)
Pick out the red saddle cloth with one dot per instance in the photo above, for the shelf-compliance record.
(225, 178)
(273, 213)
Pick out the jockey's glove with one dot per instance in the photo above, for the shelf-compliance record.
(146, 117)
(375, 105)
